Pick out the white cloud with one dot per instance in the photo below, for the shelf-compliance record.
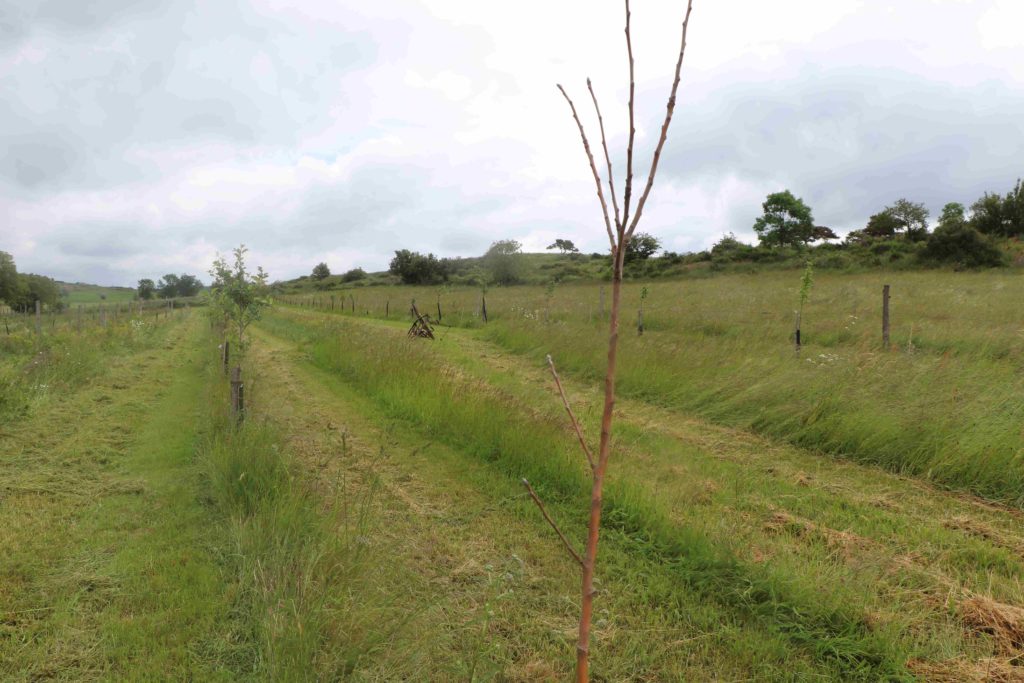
(147, 137)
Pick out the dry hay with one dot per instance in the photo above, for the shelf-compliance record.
(973, 527)
(845, 541)
(1005, 623)
(988, 670)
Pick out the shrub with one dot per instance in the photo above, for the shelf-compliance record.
(353, 275)
(962, 245)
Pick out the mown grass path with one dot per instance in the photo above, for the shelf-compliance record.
(938, 571)
(468, 583)
(110, 566)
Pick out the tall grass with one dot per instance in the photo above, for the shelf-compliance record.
(943, 405)
(414, 384)
(34, 367)
(302, 562)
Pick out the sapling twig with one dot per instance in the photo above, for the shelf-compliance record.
(572, 415)
(543, 511)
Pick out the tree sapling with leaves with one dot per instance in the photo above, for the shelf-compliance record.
(238, 295)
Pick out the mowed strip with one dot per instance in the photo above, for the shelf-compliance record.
(940, 569)
(459, 548)
(109, 568)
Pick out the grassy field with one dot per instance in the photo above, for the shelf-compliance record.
(848, 513)
(74, 293)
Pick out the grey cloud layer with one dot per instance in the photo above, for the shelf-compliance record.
(140, 136)
(851, 141)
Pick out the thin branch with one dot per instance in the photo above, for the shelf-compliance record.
(632, 127)
(607, 157)
(572, 416)
(669, 108)
(543, 511)
(593, 167)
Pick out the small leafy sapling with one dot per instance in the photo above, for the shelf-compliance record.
(239, 296)
(806, 282)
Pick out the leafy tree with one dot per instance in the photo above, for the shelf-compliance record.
(504, 261)
(147, 289)
(39, 288)
(172, 286)
(641, 247)
(10, 283)
(953, 215)
(787, 221)
(167, 288)
(1013, 210)
(987, 215)
(823, 233)
(189, 285)
(910, 218)
(415, 268)
(882, 224)
(564, 246)
(237, 294)
(353, 275)
(321, 271)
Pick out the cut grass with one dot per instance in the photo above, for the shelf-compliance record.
(109, 569)
(489, 426)
(898, 550)
(464, 551)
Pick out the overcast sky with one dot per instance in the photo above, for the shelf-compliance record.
(141, 137)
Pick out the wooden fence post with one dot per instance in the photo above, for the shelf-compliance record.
(226, 355)
(483, 307)
(39, 319)
(237, 394)
(885, 316)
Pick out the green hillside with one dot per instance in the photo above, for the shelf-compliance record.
(74, 293)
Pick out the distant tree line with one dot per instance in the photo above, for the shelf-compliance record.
(502, 264)
(170, 286)
(21, 291)
(961, 236)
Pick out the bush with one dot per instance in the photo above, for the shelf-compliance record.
(963, 246)
(418, 269)
(353, 275)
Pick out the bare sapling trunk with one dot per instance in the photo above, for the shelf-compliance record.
(620, 228)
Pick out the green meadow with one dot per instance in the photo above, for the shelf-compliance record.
(842, 512)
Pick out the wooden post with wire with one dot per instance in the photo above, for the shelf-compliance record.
(237, 395)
